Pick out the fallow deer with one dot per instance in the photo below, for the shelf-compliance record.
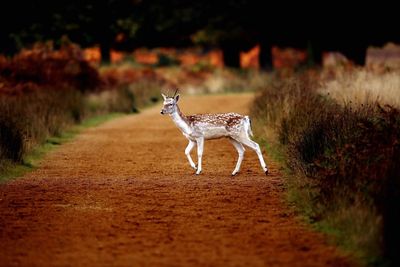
(200, 127)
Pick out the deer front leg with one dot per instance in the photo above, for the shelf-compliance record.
(187, 152)
(200, 146)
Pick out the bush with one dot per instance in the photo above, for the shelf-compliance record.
(344, 158)
(43, 66)
(43, 90)
(165, 60)
(27, 120)
(12, 144)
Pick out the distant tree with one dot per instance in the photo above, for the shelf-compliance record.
(238, 25)
(135, 23)
(87, 22)
(232, 25)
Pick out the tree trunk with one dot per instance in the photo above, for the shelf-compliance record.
(105, 51)
(356, 54)
(231, 56)
(314, 53)
(266, 56)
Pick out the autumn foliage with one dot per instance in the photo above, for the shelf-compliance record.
(44, 66)
(43, 90)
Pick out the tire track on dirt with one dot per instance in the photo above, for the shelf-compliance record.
(123, 194)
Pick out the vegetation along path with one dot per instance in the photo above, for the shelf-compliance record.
(123, 194)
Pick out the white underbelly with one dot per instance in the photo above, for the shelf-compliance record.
(215, 132)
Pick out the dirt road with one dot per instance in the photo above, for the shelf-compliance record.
(123, 194)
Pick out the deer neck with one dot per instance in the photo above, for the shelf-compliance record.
(180, 121)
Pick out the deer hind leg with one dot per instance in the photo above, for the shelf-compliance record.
(240, 149)
(200, 147)
(245, 140)
(187, 152)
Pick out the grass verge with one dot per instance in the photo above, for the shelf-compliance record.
(343, 162)
(32, 160)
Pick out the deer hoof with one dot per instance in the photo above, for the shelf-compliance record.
(234, 173)
(266, 172)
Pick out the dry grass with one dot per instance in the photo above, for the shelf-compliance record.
(344, 157)
(225, 80)
(43, 91)
(362, 87)
(27, 120)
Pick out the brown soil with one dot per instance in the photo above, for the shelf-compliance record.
(123, 194)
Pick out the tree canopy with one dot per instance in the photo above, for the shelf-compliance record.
(232, 25)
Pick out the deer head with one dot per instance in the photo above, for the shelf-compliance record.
(170, 103)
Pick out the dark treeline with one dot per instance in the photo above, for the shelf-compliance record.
(231, 25)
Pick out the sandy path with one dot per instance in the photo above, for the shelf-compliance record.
(123, 194)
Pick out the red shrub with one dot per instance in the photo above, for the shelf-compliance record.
(44, 66)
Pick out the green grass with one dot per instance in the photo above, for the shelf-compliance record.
(295, 198)
(33, 159)
(273, 151)
(339, 227)
(298, 198)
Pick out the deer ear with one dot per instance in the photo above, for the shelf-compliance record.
(164, 96)
(176, 98)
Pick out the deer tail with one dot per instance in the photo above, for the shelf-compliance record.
(247, 125)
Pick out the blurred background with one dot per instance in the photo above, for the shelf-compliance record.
(111, 30)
